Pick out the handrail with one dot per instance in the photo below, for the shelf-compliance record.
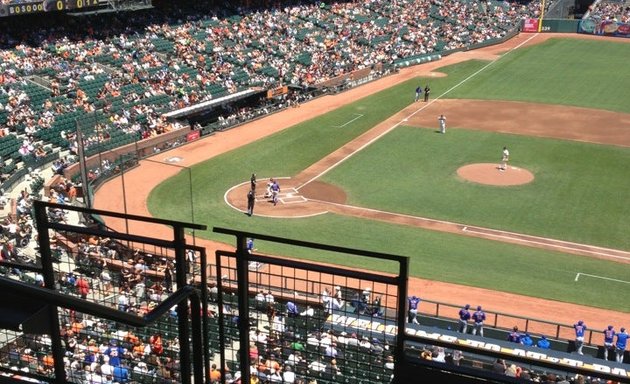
(124, 216)
(308, 244)
(88, 307)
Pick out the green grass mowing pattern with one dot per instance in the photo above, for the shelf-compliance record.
(576, 72)
(276, 155)
(434, 255)
(287, 152)
(580, 192)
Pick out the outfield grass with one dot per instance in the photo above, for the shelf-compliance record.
(583, 73)
(434, 255)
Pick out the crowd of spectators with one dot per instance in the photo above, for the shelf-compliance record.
(134, 67)
(610, 10)
(120, 74)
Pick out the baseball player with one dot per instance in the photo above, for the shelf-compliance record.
(609, 336)
(478, 318)
(412, 315)
(442, 121)
(505, 157)
(464, 316)
(580, 329)
(622, 340)
(275, 190)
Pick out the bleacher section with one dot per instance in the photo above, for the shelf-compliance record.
(173, 64)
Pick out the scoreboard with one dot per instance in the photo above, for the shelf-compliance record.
(31, 7)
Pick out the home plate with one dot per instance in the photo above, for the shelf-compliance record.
(289, 195)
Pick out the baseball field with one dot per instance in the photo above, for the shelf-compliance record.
(373, 173)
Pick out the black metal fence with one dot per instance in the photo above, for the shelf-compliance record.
(306, 320)
(117, 312)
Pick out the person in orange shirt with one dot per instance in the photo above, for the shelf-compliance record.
(48, 362)
(77, 326)
(215, 374)
(138, 348)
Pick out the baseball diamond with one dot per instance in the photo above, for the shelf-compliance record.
(357, 192)
(317, 195)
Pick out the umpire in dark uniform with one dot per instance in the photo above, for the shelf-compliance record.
(427, 90)
(251, 200)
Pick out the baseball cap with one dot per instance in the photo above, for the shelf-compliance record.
(479, 307)
(467, 306)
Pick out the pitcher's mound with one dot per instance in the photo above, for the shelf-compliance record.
(489, 173)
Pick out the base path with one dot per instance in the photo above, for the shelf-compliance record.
(141, 180)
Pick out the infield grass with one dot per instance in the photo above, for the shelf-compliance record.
(579, 194)
(441, 256)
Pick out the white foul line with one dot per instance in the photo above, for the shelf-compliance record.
(600, 277)
(575, 247)
(358, 116)
(513, 236)
(426, 105)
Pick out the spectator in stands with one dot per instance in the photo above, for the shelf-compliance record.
(438, 355)
(115, 353)
(331, 304)
(288, 376)
(292, 309)
(499, 366)
(317, 366)
(331, 351)
(309, 311)
(338, 294)
(157, 344)
(457, 357)
(121, 372)
(375, 309)
(83, 287)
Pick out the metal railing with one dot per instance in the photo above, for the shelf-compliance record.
(59, 280)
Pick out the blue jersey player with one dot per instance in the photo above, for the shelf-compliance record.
(609, 338)
(478, 318)
(580, 329)
(622, 340)
(464, 316)
(515, 336)
(412, 314)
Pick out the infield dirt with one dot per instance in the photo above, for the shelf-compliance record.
(141, 180)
